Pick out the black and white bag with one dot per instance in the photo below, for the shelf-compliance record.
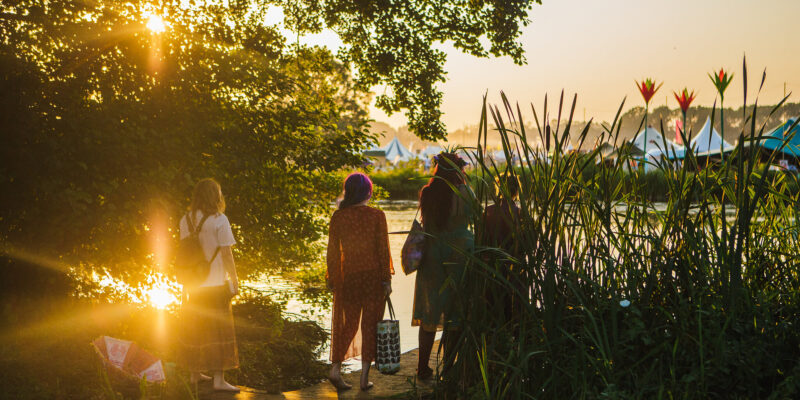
(387, 359)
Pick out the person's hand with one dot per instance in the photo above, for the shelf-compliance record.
(235, 287)
(387, 288)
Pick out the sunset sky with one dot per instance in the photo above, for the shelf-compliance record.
(598, 48)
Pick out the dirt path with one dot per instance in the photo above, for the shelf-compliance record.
(402, 385)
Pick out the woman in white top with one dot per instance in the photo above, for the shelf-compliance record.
(208, 339)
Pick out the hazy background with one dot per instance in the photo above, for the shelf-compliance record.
(598, 48)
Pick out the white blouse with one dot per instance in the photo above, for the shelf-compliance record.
(216, 231)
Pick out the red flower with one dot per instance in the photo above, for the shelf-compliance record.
(721, 81)
(648, 88)
(685, 99)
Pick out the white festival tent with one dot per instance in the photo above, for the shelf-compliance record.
(655, 147)
(396, 152)
(653, 158)
(709, 141)
(706, 142)
(655, 140)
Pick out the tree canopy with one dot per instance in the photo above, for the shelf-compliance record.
(393, 42)
(106, 126)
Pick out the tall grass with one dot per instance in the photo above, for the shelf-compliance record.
(619, 299)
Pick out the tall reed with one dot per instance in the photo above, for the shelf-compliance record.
(616, 296)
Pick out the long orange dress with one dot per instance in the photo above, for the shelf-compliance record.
(358, 263)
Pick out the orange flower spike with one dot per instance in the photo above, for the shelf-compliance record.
(648, 88)
(685, 99)
(721, 81)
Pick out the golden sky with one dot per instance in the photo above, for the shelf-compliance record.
(597, 48)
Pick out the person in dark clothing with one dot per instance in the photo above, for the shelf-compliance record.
(501, 222)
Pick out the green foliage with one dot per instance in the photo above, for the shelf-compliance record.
(393, 43)
(106, 127)
(402, 182)
(613, 297)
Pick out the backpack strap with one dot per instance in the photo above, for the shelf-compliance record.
(192, 230)
(197, 232)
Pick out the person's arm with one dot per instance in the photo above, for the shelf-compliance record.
(225, 240)
(230, 267)
(334, 256)
(384, 254)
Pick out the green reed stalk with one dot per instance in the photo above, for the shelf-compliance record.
(615, 296)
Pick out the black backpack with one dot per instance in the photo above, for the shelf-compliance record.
(191, 266)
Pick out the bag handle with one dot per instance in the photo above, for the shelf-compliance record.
(391, 309)
(407, 232)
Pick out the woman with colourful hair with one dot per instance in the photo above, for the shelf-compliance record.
(359, 274)
(445, 206)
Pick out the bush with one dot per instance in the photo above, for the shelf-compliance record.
(401, 183)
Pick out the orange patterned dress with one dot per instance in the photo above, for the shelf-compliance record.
(358, 263)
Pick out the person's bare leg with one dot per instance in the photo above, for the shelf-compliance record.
(335, 377)
(365, 383)
(221, 384)
(425, 347)
(199, 377)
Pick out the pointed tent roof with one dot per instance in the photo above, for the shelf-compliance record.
(709, 141)
(654, 140)
(395, 151)
(774, 139)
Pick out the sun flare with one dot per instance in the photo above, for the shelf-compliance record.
(161, 298)
(156, 24)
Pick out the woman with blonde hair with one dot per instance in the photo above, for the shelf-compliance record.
(208, 339)
(360, 275)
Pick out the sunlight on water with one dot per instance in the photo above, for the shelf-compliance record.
(158, 291)
(161, 298)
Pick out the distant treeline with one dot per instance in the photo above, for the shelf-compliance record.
(630, 120)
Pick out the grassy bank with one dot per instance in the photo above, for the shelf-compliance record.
(47, 330)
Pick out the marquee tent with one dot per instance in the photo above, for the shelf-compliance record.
(775, 139)
(708, 141)
(396, 152)
(655, 140)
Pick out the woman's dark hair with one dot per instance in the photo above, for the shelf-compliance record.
(357, 188)
(436, 198)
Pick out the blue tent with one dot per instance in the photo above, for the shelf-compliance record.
(775, 138)
(396, 152)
